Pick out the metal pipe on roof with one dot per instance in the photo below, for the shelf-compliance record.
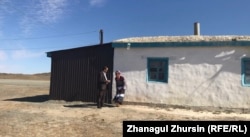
(197, 28)
(101, 37)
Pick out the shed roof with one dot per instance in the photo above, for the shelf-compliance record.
(76, 49)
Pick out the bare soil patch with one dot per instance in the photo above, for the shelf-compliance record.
(25, 111)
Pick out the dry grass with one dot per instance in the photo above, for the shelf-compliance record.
(26, 111)
(38, 76)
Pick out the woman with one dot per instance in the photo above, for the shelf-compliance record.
(120, 88)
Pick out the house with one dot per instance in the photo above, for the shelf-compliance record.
(188, 71)
(195, 71)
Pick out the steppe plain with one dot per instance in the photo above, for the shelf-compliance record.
(26, 111)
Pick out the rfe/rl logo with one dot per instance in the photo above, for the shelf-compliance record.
(226, 128)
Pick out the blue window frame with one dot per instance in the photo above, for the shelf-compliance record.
(157, 69)
(245, 72)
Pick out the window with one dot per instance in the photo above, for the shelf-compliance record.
(246, 71)
(158, 69)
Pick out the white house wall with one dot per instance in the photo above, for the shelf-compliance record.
(198, 76)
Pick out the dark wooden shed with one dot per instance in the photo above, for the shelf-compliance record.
(74, 72)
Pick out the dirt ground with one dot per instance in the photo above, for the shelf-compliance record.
(25, 111)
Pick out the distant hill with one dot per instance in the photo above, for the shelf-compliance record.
(38, 76)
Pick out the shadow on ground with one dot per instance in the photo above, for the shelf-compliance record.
(36, 99)
(87, 105)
